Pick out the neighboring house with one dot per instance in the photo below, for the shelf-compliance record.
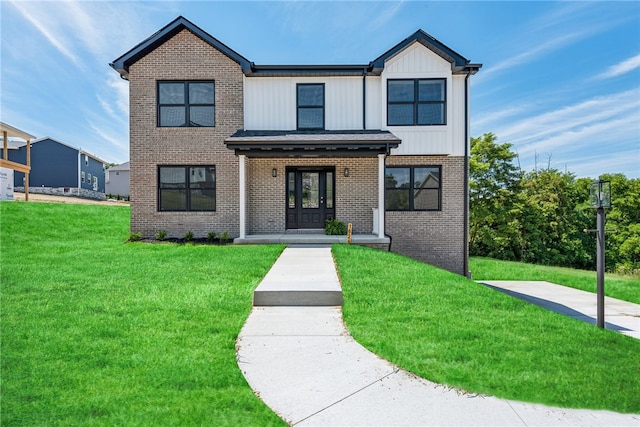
(220, 143)
(117, 180)
(58, 168)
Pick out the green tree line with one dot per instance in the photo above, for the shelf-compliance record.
(540, 216)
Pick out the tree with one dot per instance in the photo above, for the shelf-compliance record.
(552, 220)
(494, 182)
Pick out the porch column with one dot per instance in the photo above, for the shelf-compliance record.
(381, 158)
(243, 204)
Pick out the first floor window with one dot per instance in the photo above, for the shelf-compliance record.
(187, 188)
(186, 104)
(413, 188)
(82, 176)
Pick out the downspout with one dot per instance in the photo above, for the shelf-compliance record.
(79, 172)
(465, 266)
(364, 99)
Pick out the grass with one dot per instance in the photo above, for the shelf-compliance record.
(616, 286)
(454, 331)
(99, 332)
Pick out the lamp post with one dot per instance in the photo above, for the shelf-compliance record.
(600, 198)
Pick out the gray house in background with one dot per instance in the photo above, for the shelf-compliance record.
(59, 168)
(117, 180)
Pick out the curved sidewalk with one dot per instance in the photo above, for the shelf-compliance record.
(303, 364)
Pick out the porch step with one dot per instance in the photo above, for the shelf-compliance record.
(312, 239)
(302, 276)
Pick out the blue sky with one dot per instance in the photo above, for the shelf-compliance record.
(560, 81)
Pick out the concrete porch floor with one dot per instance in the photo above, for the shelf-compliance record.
(309, 239)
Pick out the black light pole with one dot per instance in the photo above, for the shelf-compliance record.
(600, 198)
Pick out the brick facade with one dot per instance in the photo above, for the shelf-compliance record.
(184, 57)
(433, 237)
(355, 195)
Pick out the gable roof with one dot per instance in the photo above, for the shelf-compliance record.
(48, 138)
(143, 48)
(121, 167)
(459, 64)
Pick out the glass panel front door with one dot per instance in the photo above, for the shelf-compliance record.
(310, 197)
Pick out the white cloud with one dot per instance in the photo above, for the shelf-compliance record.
(42, 22)
(621, 68)
(532, 131)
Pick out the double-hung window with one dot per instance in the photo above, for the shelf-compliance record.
(187, 188)
(186, 104)
(416, 102)
(413, 188)
(310, 102)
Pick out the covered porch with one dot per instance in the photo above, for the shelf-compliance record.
(313, 238)
(9, 131)
(290, 182)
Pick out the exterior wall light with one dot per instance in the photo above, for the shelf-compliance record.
(346, 171)
(274, 172)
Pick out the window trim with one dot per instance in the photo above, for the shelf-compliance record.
(186, 104)
(416, 102)
(298, 106)
(187, 188)
(412, 188)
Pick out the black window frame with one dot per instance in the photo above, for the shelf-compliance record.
(187, 188)
(412, 188)
(186, 104)
(303, 106)
(416, 101)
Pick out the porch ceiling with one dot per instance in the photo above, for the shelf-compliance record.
(358, 143)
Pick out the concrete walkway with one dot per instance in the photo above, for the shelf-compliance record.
(303, 364)
(620, 316)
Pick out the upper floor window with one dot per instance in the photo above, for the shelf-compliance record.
(310, 101)
(187, 188)
(413, 188)
(416, 102)
(186, 104)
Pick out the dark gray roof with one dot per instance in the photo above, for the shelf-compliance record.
(312, 143)
(123, 63)
(459, 64)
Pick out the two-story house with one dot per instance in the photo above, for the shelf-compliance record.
(59, 168)
(220, 143)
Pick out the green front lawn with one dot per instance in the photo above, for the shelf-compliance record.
(100, 332)
(622, 287)
(454, 331)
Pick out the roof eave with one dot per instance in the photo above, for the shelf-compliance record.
(122, 63)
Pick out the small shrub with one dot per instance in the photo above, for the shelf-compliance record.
(161, 234)
(117, 196)
(135, 237)
(211, 236)
(334, 227)
(188, 237)
(225, 238)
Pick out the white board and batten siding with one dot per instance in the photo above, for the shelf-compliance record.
(417, 61)
(270, 103)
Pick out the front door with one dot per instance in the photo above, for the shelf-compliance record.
(310, 197)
